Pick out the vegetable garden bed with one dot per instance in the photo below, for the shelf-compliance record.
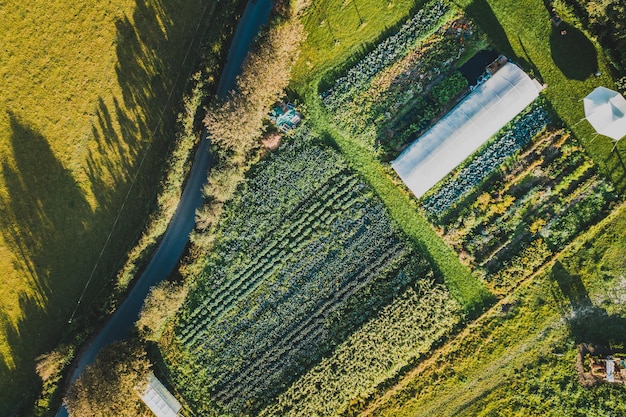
(507, 213)
(407, 81)
(306, 256)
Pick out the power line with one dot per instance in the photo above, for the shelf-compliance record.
(134, 180)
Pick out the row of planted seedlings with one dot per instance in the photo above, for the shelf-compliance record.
(521, 199)
(370, 358)
(389, 107)
(262, 314)
(293, 307)
(315, 266)
(271, 252)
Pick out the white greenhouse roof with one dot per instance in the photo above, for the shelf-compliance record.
(159, 399)
(465, 128)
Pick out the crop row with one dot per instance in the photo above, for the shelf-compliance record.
(289, 238)
(389, 50)
(486, 160)
(278, 183)
(240, 287)
(262, 320)
(284, 353)
(403, 331)
(285, 286)
(512, 223)
(383, 111)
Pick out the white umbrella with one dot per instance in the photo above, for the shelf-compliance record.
(606, 111)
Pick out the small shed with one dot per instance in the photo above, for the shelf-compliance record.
(159, 399)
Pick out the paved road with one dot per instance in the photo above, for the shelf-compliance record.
(177, 234)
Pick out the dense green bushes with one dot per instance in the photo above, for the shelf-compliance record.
(450, 87)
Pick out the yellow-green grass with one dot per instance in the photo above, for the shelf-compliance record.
(520, 357)
(87, 90)
(338, 29)
(567, 64)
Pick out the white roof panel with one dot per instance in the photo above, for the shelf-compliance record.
(159, 399)
(465, 128)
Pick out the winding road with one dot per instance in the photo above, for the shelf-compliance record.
(176, 236)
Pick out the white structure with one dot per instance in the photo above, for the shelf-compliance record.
(459, 133)
(606, 111)
(159, 399)
(610, 369)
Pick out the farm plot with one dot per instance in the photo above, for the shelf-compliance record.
(306, 255)
(408, 80)
(507, 215)
(403, 332)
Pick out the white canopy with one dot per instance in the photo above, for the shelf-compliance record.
(458, 134)
(606, 111)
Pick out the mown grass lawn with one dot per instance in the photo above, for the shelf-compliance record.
(338, 29)
(88, 90)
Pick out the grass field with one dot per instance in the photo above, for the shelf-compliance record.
(338, 29)
(88, 91)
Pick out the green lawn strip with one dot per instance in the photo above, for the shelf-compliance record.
(522, 31)
(466, 287)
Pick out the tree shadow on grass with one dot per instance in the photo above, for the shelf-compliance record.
(572, 52)
(50, 224)
(480, 12)
(587, 322)
(44, 224)
(154, 61)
